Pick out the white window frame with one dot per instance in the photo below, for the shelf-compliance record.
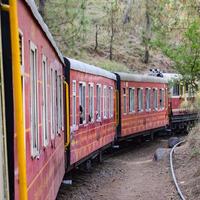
(162, 98)
(59, 103)
(62, 105)
(131, 99)
(34, 103)
(45, 128)
(83, 85)
(91, 100)
(73, 104)
(148, 99)
(105, 99)
(155, 106)
(173, 87)
(140, 100)
(52, 103)
(111, 102)
(124, 101)
(98, 112)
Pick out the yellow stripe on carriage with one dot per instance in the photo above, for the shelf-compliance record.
(17, 90)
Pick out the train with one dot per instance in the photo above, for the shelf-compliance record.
(57, 112)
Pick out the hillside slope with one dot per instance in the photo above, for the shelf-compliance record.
(74, 24)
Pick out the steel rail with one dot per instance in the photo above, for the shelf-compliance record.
(173, 172)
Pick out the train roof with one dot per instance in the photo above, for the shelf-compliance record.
(140, 78)
(90, 69)
(31, 4)
(172, 76)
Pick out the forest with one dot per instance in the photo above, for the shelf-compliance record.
(128, 35)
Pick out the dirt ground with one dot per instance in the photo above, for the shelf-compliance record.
(129, 174)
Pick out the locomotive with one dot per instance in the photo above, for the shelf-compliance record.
(57, 112)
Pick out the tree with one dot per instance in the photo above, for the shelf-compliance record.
(127, 17)
(42, 7)
(112, 12)
(147, 34)
(186, 55)
(67, 21)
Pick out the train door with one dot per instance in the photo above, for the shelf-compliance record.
(4, 193)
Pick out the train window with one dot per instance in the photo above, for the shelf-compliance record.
(176, 89)
(111, 102)
(186, 87)
(52, 105)
(131, 99)
(44, 102)
(98, 102)
(59, 103)
(140, 99)
(34, 101)
(162, 99)
(155, 99)
(56, 102)
(62, 105)
(91, 102)
(82, 105)
(105, 102)
(124, 98)
(74, 103)
(148, 99)
(21, 48)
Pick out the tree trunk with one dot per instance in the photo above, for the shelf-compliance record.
(147, 36)
(112, 37)
(127, 12)
(111, 47)
(96, 38)
(42, 7)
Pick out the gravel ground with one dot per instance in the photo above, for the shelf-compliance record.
(128, 174)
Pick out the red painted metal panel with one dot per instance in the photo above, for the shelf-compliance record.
(136, 122)
(44, 175)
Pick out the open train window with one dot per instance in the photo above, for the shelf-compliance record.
(34, 101)
(91, 102)
(62, 103)
(105, 102)
(148, 99)
(98, 102)
(131, 100)
(44, 102)
(21, 48)
(140, 99)
(162, 99)
(59, 104)
(56, 101)
(82, 105)
(111, 102)
(74, 103)
(155, 99)
(176, 89)
(125, 101)
(52, 105)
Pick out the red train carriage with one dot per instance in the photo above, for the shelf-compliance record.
(42, 83)
(143, 104)
(179, 94)
(92, 119)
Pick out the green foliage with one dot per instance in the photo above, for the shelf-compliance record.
(185, 54)
(67, 21)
